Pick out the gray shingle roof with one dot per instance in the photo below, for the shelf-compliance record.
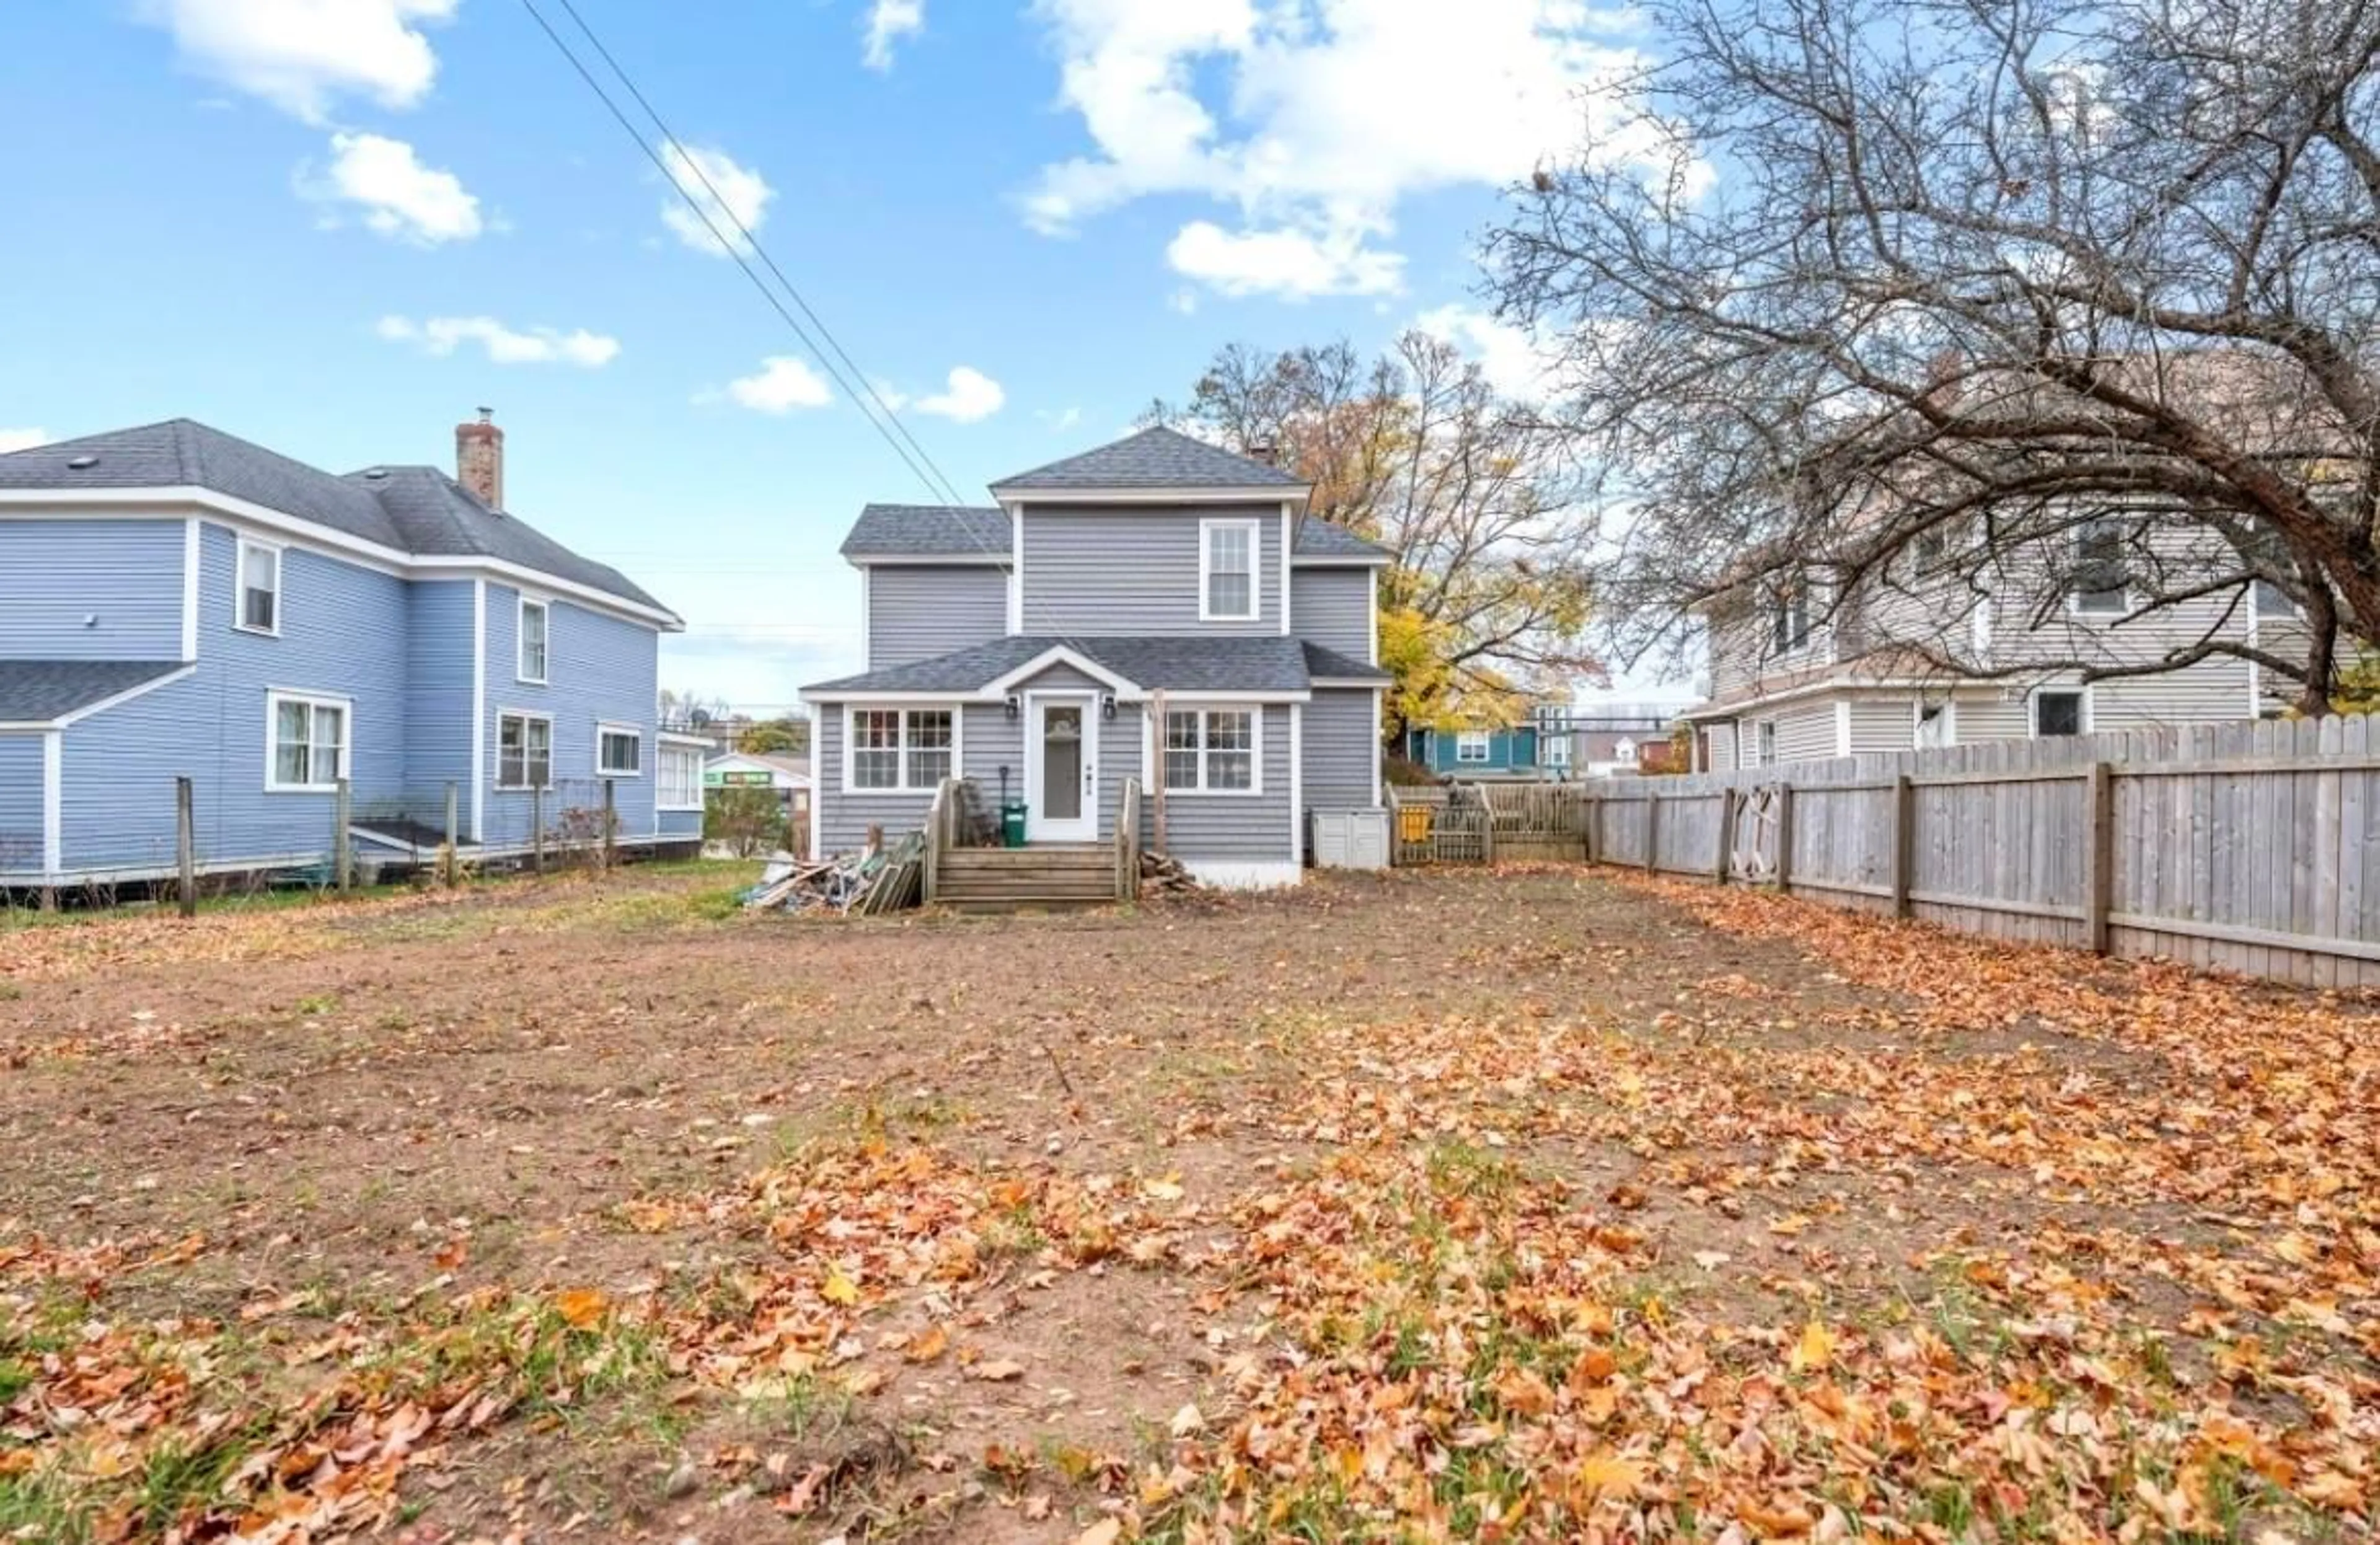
(37, 691)
(928, 530)
(1152, 458)
(418, 510)
(1330, 665)
(1265, 664)
(1320, 539)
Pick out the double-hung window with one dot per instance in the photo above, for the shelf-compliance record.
(1211, 750)
(2099, 582)
(309, 743)
(260, 588)
(1227, 571)
(902, 748)
(677, 781)
(1471, 746)
(1791, 622)
(534, 624)
(524, 751)
(619, 751)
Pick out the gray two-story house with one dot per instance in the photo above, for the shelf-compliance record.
(1156, 609)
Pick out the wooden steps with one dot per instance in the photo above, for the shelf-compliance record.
(1007, 879)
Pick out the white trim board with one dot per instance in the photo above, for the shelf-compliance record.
(176, 503)
(53, 801)
(481, 774)
(190, 560)
(1268, 493)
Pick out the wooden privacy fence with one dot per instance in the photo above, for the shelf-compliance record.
(1482, 824)
(2250, 847)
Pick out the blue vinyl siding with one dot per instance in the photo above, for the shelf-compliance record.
(343, 635)
(20, 804)
(681, 824)
(90, 590)
(598, 668)
(438, 657)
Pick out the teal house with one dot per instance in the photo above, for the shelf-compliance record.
(1521, 751)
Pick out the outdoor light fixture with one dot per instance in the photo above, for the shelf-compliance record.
(1107, 705)
(1015, 705)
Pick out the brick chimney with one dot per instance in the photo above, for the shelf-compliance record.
(479, 458)
(1266, 452)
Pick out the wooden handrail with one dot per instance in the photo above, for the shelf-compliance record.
(1127, 841)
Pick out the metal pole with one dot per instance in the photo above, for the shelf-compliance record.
(342, 857)
(536, 827)
(454, 833)
(607, 824)
(186, 847)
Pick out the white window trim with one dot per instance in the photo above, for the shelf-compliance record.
(2074, 594)
(1553, 748)
(1466, 741)
(2033, 711)
(1254, 528)
(1255, 748)
(635, 732)
(523, 787)
(242, 546)
(851, 712)
(274, 699)
(520, 640)
(660, 782)
(1948, 716)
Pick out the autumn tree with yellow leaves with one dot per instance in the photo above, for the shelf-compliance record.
(1484, 608)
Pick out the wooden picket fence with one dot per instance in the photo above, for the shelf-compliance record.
(2249, 847)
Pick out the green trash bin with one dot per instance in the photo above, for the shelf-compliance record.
(1012, 823)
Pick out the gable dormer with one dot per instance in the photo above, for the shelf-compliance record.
(1157, 533)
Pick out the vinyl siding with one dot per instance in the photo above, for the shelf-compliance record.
(1333, 607)
(845, 814)
(1882, 724)
(1723, 748)
(343, 635)
(20, 804)
(598, 668)
(916, 612)
(1235, 828)
(680, 823)
(1340, 751)
(1095, 571)
(126, 576)
(437, 699)
(1805, 732)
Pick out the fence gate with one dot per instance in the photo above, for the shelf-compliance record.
(1751, 846)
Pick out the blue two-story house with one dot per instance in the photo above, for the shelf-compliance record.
(178, 602)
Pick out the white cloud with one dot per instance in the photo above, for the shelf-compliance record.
(21, 439)
(734, 195)
(1061, 420)
(888, 22)
(968, 395)
(1513, 361)
(782, 384)
(1315, 120)
(503, 345)
(400, 196)
(302, 55)
(1289, 264)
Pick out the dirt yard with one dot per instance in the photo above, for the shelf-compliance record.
(1525, 1205)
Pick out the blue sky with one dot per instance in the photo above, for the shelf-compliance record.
(335, 227)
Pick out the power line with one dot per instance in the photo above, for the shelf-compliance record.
(935, 484)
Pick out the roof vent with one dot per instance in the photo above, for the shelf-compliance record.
(375, 474)
(82, 463)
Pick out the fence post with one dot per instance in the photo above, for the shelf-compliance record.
(607, 824)
(1591, 818)
(536, 827)
(342, 859)
(186, 847)
(2098, 854)
(1726, 835)
(1652, 832)
(1785, 839)
(1904, 844)
(454, 833)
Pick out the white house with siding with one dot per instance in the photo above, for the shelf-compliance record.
(1026, 645)
(1911, 662)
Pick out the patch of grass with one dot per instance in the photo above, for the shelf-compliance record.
(319, 1003)
(10, 992)
(804, 1406)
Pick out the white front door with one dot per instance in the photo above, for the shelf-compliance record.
(1062, 771)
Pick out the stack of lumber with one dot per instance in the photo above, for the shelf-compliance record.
(1161, 875)
(870, 882)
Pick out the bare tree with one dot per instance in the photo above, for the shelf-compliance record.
(1934, 292)
(1485, 603)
